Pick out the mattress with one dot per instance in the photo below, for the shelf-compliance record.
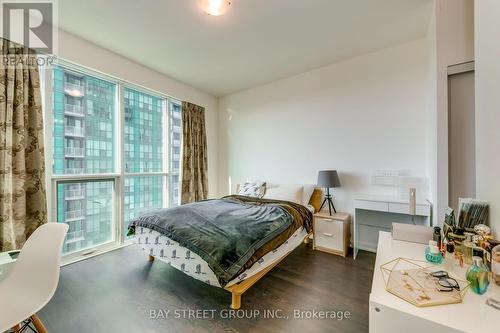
(188, 262)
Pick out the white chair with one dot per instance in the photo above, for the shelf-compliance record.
(33, 280)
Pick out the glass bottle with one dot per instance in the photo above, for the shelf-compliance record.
(478, 276)
(467, 246)
(449, 260)
(437, 236)
(495, 264)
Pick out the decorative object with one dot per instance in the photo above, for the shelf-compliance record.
(472, 212)
(435, 258)
(23, 199)
(478, 276)
(328, 179)
(422, 285)
(495, 264)
(482, 230)
(194, 154)
(215, 7)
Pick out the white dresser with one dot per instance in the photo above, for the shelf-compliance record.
(390, 314)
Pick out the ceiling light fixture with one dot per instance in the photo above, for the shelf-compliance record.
(215, 7)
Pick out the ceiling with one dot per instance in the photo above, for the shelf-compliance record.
(256, 42)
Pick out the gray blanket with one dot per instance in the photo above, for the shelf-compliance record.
(231, 233)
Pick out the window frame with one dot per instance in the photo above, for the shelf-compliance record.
(119, 174)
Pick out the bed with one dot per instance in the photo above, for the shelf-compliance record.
(230, 242)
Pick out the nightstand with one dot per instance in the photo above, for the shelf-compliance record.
(332, 233)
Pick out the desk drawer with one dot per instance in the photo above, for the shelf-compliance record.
(372, 205)
(403, 208)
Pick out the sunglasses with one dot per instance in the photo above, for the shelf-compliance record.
(444, 281)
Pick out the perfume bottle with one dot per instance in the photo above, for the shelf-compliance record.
(449, 259)
(437, 237)
(467, 246)
(478, 276)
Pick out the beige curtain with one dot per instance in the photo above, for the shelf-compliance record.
(194, 158)
(23, 206)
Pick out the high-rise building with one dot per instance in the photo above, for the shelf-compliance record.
(84, 108)
(85, 113)
(144, 144)
(175, 132)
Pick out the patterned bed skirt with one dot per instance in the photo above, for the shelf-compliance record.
(188, 262)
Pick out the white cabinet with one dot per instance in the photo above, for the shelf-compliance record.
(331, 233)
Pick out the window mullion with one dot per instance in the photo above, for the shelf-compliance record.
(166, 151)
(121, 165)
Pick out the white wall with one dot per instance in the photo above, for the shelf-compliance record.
(366, 113)
(432, 134)
(487, 47)
(87, 54)
(454, 36)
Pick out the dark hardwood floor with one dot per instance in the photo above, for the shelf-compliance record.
(115, 292)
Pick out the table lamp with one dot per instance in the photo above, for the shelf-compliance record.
(328, 179)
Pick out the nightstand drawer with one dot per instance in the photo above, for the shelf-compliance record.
(329, 240)
(328, 225)
(329, 233)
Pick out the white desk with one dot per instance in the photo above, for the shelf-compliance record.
(6, 263)
(373, 214)
(396, 315)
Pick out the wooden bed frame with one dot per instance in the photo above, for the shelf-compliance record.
(238, 289)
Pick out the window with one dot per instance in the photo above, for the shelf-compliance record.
(144, 153)
(94, 168)
(144, 128)
(87, 207)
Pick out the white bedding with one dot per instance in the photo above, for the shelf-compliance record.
(170, 252)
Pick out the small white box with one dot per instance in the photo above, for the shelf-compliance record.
(412, 233)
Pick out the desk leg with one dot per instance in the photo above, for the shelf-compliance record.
(355, 235)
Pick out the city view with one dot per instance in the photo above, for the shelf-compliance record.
(85, 111)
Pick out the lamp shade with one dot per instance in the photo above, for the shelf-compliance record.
(328, 179)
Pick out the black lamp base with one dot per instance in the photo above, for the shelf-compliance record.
(328, 198)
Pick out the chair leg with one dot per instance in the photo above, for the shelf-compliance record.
(16, 328)
(38, 324)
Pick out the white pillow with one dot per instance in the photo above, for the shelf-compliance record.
(254, 188)
(306, 195)
(291, 193)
